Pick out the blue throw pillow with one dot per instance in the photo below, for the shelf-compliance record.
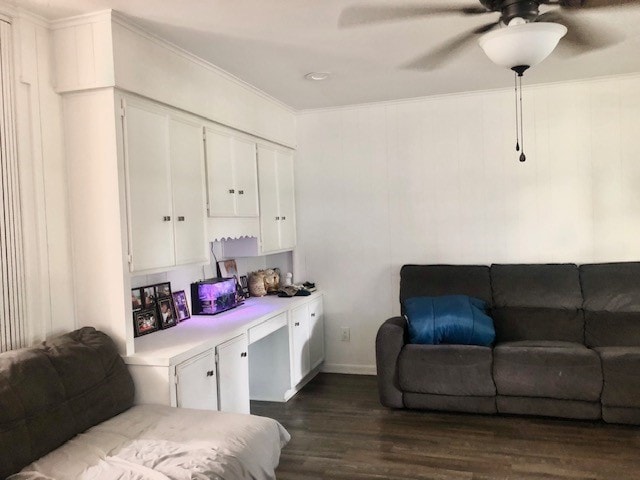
(452, 319)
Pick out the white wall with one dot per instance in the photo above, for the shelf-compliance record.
(437, 180)
(47, 250)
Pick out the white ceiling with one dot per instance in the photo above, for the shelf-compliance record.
(272, 44)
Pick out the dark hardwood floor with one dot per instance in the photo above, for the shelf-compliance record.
(339, 430)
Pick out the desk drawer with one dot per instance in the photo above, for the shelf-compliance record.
(267, 327)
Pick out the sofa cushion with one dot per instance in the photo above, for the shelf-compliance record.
(446, 370)
(537, 302)
(545, 286)
(452, 319)
(612, 287)
(50, 393)
(561, 370)
(530, 323)
(620, 367)
(436, 280)
(612, 303)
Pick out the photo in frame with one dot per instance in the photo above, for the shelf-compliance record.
(148, 297)
(181, 305)
(167, 313)
(228, 268)
(145, 321)
(163, 290)
(136, 299)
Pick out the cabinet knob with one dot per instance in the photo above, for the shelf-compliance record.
(166, 218)
(277, 218)
(181, 219)
(243, 354)
(313, 314)
(231, 190)
(240, 192)
(210, 373)
(297, 324)
(284, 218)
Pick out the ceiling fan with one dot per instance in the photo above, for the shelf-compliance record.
(581, 36)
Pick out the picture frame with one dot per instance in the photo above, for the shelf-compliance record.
(228, 268)
(244, 285)
(148, 296)
(181, 305)
(136, 299)
(167, 313)
(163, 290)
(145, 321)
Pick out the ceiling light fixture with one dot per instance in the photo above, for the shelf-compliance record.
(519, 46)
(317, 76)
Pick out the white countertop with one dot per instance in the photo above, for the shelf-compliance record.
(202, 332)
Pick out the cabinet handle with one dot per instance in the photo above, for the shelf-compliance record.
(210, 373)
(284, 218)
(243, 354)
(297, 324)
(231, 190)
(166, 218)
(277, 218)
(313, 314)
(240, 192)
(181, 219)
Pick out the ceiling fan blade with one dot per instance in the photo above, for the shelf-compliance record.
(447, 50)
(587, 4)
(582, 36)
(368, 14)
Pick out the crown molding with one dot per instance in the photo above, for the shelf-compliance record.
(427, 98)
(95, 17)
(129, 24)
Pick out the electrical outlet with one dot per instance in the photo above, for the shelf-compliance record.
(345, 334)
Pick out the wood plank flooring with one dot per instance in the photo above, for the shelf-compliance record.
(340, 431)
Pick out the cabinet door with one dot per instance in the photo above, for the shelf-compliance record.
(245, 177)
(187, 178)
(233, 375)
(196, 383)
(286, 200)
(147, 163)
(220, 188)
(299, 334)
(268, 190)
(316, 333)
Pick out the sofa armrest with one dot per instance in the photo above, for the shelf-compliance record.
(391, 337)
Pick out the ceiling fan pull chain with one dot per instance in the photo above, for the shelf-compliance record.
(515, 81)
(523, 157)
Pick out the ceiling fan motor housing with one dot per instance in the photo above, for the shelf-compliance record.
(510, 9)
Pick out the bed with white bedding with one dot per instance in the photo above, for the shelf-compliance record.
(153, 442)
(67, 413)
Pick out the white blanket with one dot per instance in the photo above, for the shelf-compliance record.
(152, 442)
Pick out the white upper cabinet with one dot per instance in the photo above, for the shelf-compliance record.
(165, 186)
(277, 204)
(147, 157)
(188, 179)
(232, 183)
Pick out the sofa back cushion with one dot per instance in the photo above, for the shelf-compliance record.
(436, 280)
(50, 393)
(611, 303)
(537, 302)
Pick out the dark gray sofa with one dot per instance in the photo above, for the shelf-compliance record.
(567, 343)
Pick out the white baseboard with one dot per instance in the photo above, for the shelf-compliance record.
(352, 369)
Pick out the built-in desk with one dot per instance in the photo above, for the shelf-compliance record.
(265, 349)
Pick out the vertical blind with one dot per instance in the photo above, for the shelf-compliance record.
(13, 332)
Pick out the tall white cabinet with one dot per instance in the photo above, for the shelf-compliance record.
(164, 171)
(277, 199)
